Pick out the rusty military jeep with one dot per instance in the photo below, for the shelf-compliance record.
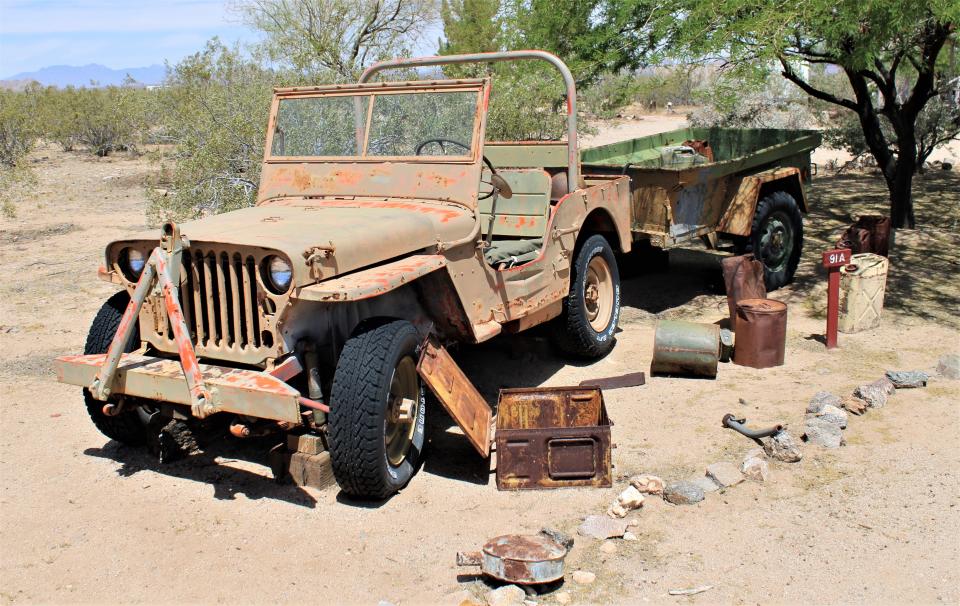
(386, 227)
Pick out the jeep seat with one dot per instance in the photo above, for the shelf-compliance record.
(525, 214)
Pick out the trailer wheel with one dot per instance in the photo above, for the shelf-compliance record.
(126, 427)
(592, 309)
(377, 410)
(776, 238)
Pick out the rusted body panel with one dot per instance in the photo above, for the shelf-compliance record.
(738, 217)
(553, 438)
(458, 395)
(244, 392)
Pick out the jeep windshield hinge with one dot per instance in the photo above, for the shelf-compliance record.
(160, 277)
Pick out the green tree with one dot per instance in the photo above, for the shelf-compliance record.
(888, 51)
(214, 109)
(334, 40)
(470, 26)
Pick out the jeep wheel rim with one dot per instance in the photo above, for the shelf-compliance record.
(776, 241)
(598, 294)
(403, 407)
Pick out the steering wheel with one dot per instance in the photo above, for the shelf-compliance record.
(439, 141)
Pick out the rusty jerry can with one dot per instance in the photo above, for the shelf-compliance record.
(553, 437)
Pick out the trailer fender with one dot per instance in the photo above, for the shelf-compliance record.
(738, 217)
(372, 282)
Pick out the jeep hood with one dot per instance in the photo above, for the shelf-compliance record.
(361, 232)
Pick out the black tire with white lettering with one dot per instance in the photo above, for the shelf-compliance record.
(126, 427)
(591, 310)
(377, 410)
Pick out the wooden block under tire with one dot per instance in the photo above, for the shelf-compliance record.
(308, 444)
(302, 468)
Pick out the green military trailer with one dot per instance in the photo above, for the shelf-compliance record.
(387, 227)
(744, 185)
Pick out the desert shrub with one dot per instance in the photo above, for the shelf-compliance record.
(18, 125)
(213, 109)
(735, 102)
(610, 93)
(16, 182)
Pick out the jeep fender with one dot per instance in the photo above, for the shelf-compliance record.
(738, 217)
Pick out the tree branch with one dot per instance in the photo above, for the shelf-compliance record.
(790, 75)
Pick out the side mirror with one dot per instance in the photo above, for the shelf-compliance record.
(501, 186)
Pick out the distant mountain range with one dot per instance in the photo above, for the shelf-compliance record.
(71, 75)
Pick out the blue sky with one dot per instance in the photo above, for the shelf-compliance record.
(114, 33)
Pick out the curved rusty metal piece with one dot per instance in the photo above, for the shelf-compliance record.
(739, 425)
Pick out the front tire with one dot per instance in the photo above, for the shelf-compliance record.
(776, 238)
(591, 311)
(377, 410)
(126, 427)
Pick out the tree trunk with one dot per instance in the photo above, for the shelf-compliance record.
(901, 197)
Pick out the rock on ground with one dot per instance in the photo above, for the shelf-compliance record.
(905, 379)
(706, 484)
(630, 498)
(461, 598)
(629, 536)
(683, 493)
(832, 414)
(873, 394)
(853, 405)
(608, 547)
(582, 577)
(563, 597)
(948, 366)
(602, 527)
(783, 447)
(821, 399)
(822, 433)
(616, 510)
(647, 484)
(508, 595)
(725, 474)
(755, 468)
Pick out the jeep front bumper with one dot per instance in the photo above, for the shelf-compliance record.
(244, 392)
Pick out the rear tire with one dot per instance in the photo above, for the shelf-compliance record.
(591, 310)
(126, 427)
(375, 444)
(776, 238)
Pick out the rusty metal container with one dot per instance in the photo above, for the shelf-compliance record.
(553, 437)
(761, 333)
(685, 348)
(743, 278)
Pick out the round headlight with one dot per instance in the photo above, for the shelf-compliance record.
(132, 261)
(279, 274)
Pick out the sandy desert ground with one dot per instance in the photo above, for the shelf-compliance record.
(84, 519)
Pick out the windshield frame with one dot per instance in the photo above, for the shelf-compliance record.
(480, 86)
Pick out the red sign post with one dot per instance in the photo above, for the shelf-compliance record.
(833, 260)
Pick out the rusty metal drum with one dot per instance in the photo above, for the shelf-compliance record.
(685, 348)
(761, 333)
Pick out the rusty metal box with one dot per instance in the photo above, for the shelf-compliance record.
(552, 438)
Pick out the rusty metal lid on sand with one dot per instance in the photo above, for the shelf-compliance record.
(525, 548)
(762, 306)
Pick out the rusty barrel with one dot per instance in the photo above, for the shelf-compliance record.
(761, 333)
(685, 348)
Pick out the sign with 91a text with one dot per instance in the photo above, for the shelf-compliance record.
(833, 260)
(836, 258)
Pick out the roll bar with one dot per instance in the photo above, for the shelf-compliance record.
(573, 156)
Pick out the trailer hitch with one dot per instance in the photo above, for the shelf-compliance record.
(160, 277)
(739, 425)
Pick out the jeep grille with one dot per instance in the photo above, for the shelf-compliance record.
(220, 297)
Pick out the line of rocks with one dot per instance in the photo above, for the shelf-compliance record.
(827, 413)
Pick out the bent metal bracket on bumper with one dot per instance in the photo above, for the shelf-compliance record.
(206, 388)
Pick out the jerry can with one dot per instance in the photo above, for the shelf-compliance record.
(862, 284)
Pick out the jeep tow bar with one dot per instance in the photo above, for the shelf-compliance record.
(161, 276)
